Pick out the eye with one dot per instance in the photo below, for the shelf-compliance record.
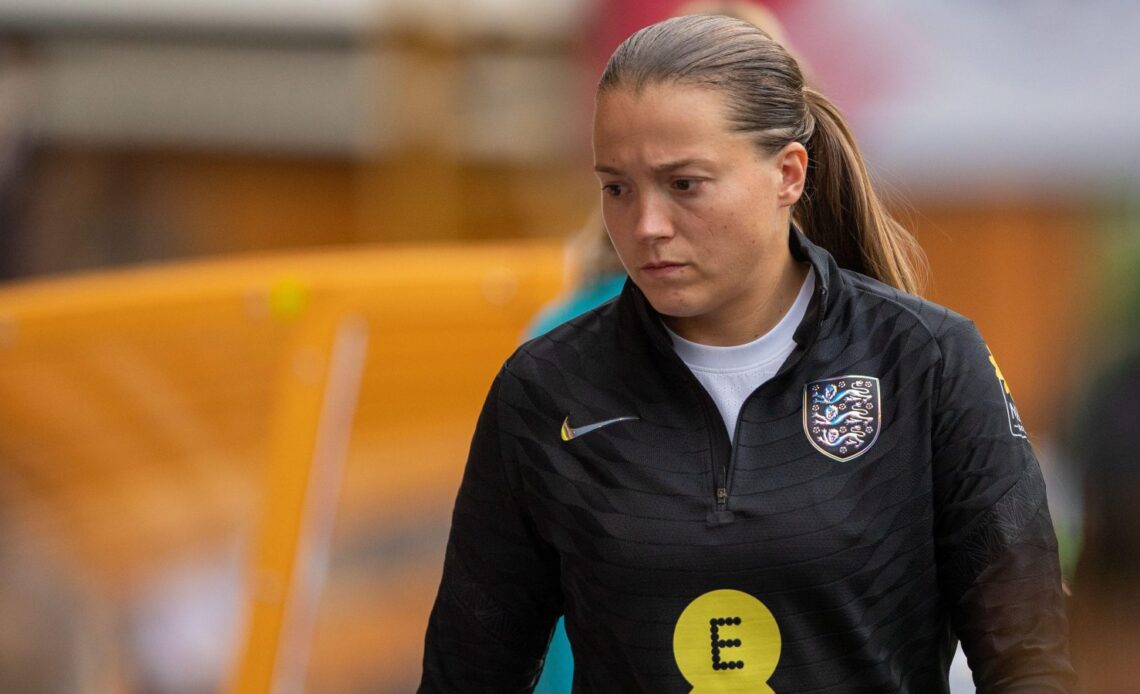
(685, 185)
(612, 189)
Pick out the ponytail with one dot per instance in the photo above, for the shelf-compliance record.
(840, 211)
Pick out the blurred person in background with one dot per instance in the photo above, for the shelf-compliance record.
(767, 466)
(596, 276)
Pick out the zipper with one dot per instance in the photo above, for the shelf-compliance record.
(722, 493)
(794, 358)
(720, 465)
(714, 424)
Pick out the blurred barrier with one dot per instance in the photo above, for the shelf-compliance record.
(149, 415)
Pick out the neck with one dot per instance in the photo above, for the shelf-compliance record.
(749, 324)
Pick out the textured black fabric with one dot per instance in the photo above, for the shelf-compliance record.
(871, 567)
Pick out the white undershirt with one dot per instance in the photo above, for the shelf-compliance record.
(731, 374)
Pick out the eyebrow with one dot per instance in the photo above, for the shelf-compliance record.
(660, 168)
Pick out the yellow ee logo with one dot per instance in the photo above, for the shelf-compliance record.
(727, 641)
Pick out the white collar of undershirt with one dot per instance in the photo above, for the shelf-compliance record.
(768, 346)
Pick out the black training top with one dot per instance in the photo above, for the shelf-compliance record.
(881, 500)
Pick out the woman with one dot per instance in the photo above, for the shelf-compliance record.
(598, 276)
(759, 469)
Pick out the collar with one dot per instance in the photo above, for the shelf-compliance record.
(826, 275)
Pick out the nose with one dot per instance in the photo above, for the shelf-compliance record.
(653, 221)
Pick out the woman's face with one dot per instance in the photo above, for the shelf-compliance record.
(697, 212)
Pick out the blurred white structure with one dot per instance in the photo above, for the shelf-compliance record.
(1004, 97)
(293, 76)
(985, 98)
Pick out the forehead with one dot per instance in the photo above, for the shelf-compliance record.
(664, 119)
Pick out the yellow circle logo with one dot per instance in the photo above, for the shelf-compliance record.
(727, 641)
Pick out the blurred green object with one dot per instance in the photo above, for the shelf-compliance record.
(1119, 293)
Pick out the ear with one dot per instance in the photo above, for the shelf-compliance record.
(793, 163)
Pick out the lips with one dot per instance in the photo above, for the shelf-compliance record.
(662, 268)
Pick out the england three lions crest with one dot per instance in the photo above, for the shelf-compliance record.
(842, 415)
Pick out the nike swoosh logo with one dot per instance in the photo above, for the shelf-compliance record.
(569, 432)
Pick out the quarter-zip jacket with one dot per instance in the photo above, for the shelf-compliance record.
(777, 563)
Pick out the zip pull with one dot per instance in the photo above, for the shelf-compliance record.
(721, 497)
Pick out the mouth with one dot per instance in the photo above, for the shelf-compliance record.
(662, 268)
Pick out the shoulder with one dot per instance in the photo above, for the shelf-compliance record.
(907, 312)
(572, 368)
(582, 340)
(968, 378)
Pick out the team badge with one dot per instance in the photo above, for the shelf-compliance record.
(842, 415)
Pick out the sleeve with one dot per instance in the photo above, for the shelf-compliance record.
(499, 596)
(999, 573)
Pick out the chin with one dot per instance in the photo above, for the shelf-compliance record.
(669, 304)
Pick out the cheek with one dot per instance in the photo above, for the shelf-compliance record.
(737, 242)
(620, 238)
(620, 217)
(614, 226)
